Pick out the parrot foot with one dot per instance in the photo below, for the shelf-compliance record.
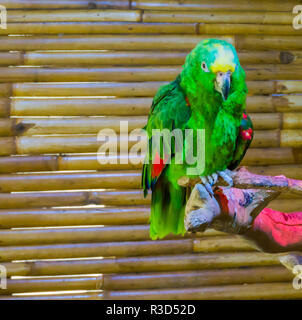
(226, 175)
(209, 181)
(201, 209)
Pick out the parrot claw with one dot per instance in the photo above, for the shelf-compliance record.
(215, 177)
(209, 189)
(208, 183)
(226, 176)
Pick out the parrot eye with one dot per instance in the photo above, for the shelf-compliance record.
(204, 67)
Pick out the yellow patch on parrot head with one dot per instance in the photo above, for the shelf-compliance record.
(224, 59)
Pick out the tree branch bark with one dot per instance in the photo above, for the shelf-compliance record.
(233, 210)
(243, 179)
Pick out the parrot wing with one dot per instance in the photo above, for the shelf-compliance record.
(169, 110)
(244, 139)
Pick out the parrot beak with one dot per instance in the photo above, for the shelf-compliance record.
(223, 83)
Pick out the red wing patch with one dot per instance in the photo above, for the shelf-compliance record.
(188, 102)
(247, 134)
(157, 166)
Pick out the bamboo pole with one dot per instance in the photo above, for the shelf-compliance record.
(293, 171)
(284, 103)
(91, 161)
(61, 144)
(86, 26)
(10, 58)
(104, 180)
(29, 163)
(74, 235)
(133, 74)
(291, 138)
(196, 278)
(121, 249)
(76, 107)
(262, 104)
(52, 284)
(97, 234)
(108, 74)
(6, 127)
(111, 42)
(92, 125)
(70, 181)
(126, 106)
(222, 243)
(73, 15)
(137, 89)
(272, 72)
(93, 58)
(64, 4)
(150, 280)
(74, 216)
(287, 103)
(252, 57)
(244, 28)
(86, 250)
(67, 162)
(272, 156)
(87, 125)
(196, 261)
(287, 86)
(217, 5)
(234, 292)
(246, 292)
(97, 27)
(106, 58)
(292, 121)
(263, 87)
(255, 156)
(75, 198)
(218, 17)
(7, 146)
(89, 143)
(270, 121)
(5, 89)
(266, 139)
(62, 296)
(267, 42)
(5, 107)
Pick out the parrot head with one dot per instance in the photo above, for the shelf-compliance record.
(209, 68)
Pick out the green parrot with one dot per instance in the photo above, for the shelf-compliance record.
(210, 94)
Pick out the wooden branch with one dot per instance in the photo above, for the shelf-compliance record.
(233, 209)
(243, 179)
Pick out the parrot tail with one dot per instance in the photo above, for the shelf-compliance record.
(167, 209)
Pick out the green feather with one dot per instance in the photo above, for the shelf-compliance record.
(220, 119)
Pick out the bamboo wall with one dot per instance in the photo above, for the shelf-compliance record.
(79, 230)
